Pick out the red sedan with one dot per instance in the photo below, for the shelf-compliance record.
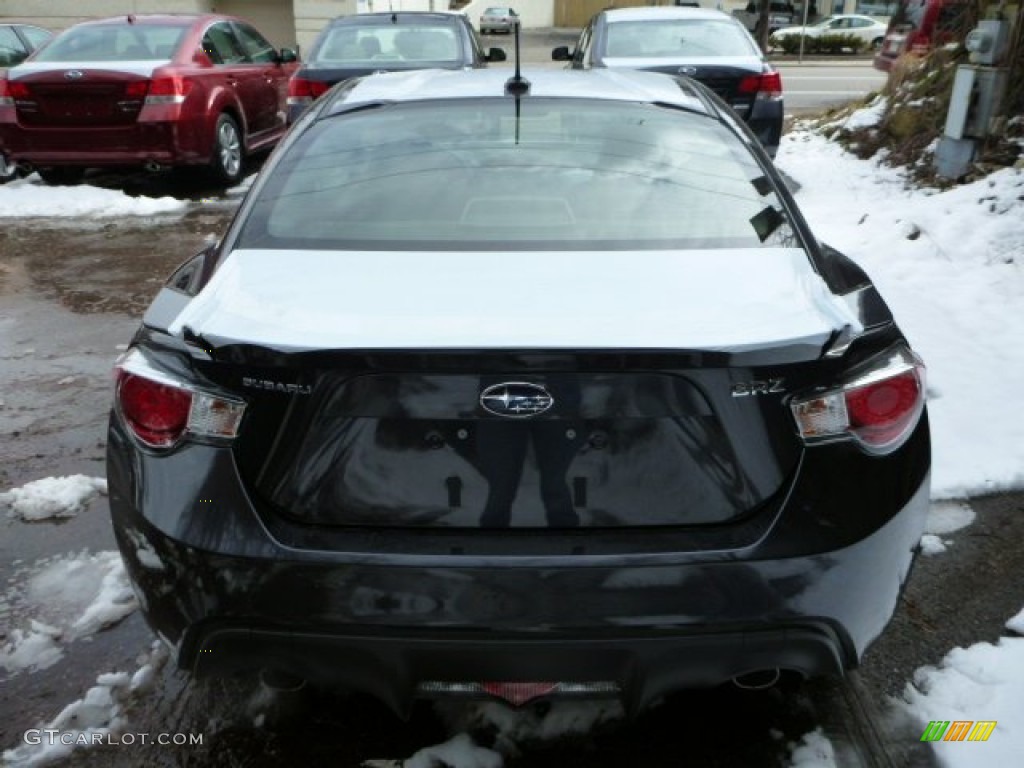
(154, 91)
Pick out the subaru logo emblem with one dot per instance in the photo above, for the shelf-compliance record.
(516, 399)
(688, 71)
(73, 74)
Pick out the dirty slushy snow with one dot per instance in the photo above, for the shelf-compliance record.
(52, 497)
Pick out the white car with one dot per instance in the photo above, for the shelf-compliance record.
(870, 30)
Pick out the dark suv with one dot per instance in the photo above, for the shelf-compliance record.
(353, 46)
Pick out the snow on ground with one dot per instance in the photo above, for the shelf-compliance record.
(52, 497)
(57, 601)
(813, 751)
(951, 266)
(96, 718)
(29, 197)
(983, 682)
(944, 518)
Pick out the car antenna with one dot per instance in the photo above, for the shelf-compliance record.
(516, 85)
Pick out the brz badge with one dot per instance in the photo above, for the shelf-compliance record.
(74, 74)
(516, 399)
(766, 387)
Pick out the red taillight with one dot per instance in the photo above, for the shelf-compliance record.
(764, 86)
(157, 413)
(880, 412)
(137, 89)
(878, 408)
(168, 89)
(299, 88)
(11, 90)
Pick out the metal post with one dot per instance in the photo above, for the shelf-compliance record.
(803, 28)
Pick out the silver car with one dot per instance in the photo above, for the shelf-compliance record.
(498, 18)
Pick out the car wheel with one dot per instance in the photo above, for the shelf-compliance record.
(228, 157)
(61, 176)
(8, 171)
(876, 44)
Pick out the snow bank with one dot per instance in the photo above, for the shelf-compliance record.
(813, 751)
(52, 497)
(62, 600)
(28, 197)
(983, 682)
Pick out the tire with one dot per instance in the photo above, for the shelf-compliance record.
(227, 163)
(61, 175)
(876, 44)
(8, 171)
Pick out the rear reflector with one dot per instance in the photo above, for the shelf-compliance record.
(518, 693)
(160, 410)
(879, 407)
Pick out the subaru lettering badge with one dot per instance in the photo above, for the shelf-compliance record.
(688, 71)
(516, 399)
(73, 74)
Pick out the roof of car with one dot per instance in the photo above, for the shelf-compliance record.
(610, 84)
(400, 16)
(660, 13)
(154, 18)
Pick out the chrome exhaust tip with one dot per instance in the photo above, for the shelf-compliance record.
(758, 680)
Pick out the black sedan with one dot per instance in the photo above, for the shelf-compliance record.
(353, 46)
(704, 44)
(526, 388)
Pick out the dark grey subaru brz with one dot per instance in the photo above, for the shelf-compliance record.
(523, 389)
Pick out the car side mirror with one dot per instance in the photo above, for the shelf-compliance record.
(561, 53)
(286, 56)
(496, 54)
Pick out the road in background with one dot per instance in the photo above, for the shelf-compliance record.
(817, 85)
(811, 86)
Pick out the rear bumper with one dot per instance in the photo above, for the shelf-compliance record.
(643, 665)
(809, 595)
(161, 142)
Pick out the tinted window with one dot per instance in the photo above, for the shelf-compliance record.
(12, 50)
(221, 45)
(471, 175)
(109, 42)
(674, 38)
(255, 45)
(358, 44)
(36, 36)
